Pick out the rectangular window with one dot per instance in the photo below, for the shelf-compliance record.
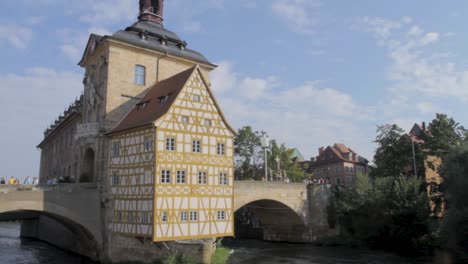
(119, 217)
(202, 178)
(223, 178)
(116, 149)
(196, 98)
(183, 216)
(147, 144)
(140, 75)
(145, 218)
(170, 144)
(193, 216)
(208, 122)
(130, 217)
(180, 176)
(221, 149)
(196, 146)
(165, 176)
(185, 119)
(148, 177)
(221, 215)
(115, 179)
(164, 217)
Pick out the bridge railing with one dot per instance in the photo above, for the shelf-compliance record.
(5, 188)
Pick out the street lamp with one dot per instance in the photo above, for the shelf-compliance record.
(265, 141)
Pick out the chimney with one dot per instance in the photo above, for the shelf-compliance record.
(151, 10)
(321, 151)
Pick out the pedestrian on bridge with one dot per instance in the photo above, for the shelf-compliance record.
(12, 180)
(2, 181)
(27, 181)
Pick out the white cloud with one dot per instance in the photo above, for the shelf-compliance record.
(415, 70)
(297, 14)
(306, 116)
(107, 12)
(17, 36)
(30, 101)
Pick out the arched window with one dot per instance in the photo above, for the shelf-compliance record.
(140, 74)
(154, 6)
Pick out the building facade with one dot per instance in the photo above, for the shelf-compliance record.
(338, 165)
(148, 130)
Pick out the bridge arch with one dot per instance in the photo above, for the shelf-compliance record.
(55, 229)
(76, 208)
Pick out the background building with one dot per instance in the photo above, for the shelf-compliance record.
(338, 164)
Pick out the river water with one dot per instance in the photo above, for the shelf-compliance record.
(259, 252)
(14, 250)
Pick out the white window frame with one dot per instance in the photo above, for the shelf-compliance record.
(221, 215)
(181, 177)
(208, 122)
(170, 144)
(193, 216)
(164, 217)
(183, 216)
(165, 176)
(145, 217)
(196, 98)
(147, 143)
(202, 178)
(196, 146)
(116, 149)
(223, 178)
(221, 149)
(140, 75)
(115, 179)
(148, 176)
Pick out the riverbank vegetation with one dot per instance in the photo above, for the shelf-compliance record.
(399, 207)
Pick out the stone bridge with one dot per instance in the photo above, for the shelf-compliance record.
(71, 215)
(292, 212)
(64, 215)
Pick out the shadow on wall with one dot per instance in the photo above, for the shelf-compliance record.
(270, 221)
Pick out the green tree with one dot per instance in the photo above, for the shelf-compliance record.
(454, 171)
(444, 134)
(280, 164)
(394, 154)
(247, 150)
(387, 212)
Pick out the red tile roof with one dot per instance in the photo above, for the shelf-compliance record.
(151, 108)
(342, 148)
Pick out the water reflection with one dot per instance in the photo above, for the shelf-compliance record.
(258, 252)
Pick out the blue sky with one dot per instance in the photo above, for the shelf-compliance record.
(310, 73)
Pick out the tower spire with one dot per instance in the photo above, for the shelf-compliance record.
(151, 10)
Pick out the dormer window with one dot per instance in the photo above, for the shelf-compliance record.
(142, 105)
(163, 99)
(140, 75)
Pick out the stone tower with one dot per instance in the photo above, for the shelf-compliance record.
(151, 10)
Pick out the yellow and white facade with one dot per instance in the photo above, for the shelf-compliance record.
(172, 179)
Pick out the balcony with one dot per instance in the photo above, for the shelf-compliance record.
(87, 130)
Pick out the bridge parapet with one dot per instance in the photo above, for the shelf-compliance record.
(66, 187)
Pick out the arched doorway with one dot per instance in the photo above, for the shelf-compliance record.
(87, 172)
(269, 220)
